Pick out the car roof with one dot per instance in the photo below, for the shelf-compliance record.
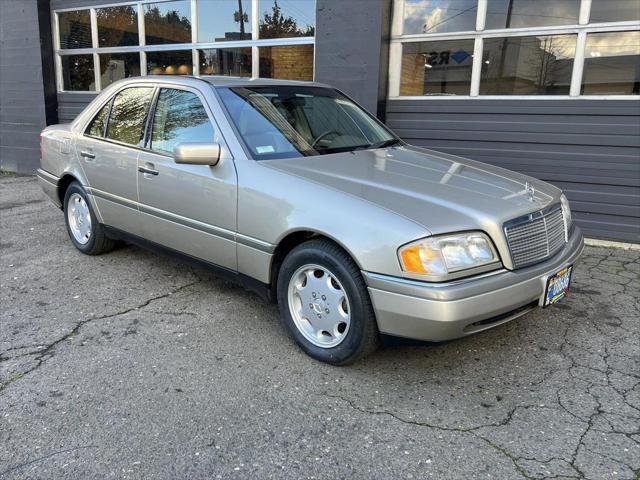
(220, 81)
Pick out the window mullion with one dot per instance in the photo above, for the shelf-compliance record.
(585, 11)
(255, 31)
(482, 15)
(94, 44)
(142, 40)
(578, 64)
(476, 69)
(395, 67)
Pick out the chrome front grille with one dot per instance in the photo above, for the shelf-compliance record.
(536, 236)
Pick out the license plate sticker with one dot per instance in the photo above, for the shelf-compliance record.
(558, 286)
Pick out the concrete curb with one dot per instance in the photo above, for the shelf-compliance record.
(594, 242)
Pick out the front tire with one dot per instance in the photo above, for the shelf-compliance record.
(324, 303)
(86, 234)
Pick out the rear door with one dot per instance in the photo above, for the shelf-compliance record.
(108, 151)
(189, 208)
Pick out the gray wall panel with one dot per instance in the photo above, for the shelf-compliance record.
(589, 148)
(22, 105)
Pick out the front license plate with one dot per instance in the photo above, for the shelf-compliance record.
(558, 286)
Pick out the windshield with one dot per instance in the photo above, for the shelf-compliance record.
(296, 121)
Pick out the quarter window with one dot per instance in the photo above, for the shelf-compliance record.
(126, 121)
(179, 117)
(96, 127)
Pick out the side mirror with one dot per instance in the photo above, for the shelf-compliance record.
(197, 153)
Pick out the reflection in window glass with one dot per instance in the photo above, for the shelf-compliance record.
(75, 29)
(115, 66)
(78, 73)
(224, 20)
(529, 13)
(433, 16)
(294, 62)
(167, 22)
(435, 68)
(614, 11)
(287, 18)
(179, 118)
(170, 63)
(117, 26)
(96, 127)
(612, 64)
(527, 65)
(126, 120)
(234, 62)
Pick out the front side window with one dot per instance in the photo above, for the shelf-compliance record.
(126, 121)
(96, 126)
(179, 117)
(293, 121)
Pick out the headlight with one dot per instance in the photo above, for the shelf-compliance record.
(566, 213)
(437, 256)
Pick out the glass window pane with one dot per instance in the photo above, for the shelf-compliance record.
(433, 16)
(170, 63)
(117, 26)
(614, 11)
(115, 66)
(293, 62)
(75, 29)
(78, 73)
(234, 62)
(179, 117)
(527, 65)
(529, 13)
(167, 22)
(224, 20)
(612, 64)
(126, 121)
(96, 127)
(436, 68)
(287, 18)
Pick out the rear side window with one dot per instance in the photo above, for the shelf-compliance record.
(126, 121)
(179, 117)
(96, 127)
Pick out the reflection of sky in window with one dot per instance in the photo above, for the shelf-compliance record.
(182, 7)
(612, 44)
(217, 18)
(431, 16)
(302, 11)
(529, 13)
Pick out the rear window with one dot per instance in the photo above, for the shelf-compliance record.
(127, 118)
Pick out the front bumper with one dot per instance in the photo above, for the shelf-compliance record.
(444, 311)
(49, 184)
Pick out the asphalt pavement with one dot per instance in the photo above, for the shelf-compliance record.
(133, 365)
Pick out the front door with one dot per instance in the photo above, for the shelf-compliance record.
(189, 208)
(108, 153)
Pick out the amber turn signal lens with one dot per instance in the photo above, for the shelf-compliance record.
(411, 260)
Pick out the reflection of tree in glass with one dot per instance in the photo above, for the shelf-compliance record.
(170, 27)
(276, 25)
(127, 115)
(179, 117)
(117, 26)
(78, 72)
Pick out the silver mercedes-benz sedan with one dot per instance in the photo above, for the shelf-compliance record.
(298, 193)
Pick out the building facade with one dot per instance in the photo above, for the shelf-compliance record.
(550, 88)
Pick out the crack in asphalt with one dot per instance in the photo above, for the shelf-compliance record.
(42, 355)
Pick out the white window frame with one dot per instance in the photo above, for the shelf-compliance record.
(582, 29)
(142, 48)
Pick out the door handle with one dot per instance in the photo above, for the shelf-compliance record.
(86, 154)
(147, 170)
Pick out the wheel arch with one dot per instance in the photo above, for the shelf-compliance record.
(66, 180)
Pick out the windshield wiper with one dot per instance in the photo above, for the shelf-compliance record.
(385, 143)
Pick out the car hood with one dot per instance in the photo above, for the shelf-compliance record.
(441, 192)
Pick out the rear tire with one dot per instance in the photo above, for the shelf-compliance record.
(324, 303)
(84, 230)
